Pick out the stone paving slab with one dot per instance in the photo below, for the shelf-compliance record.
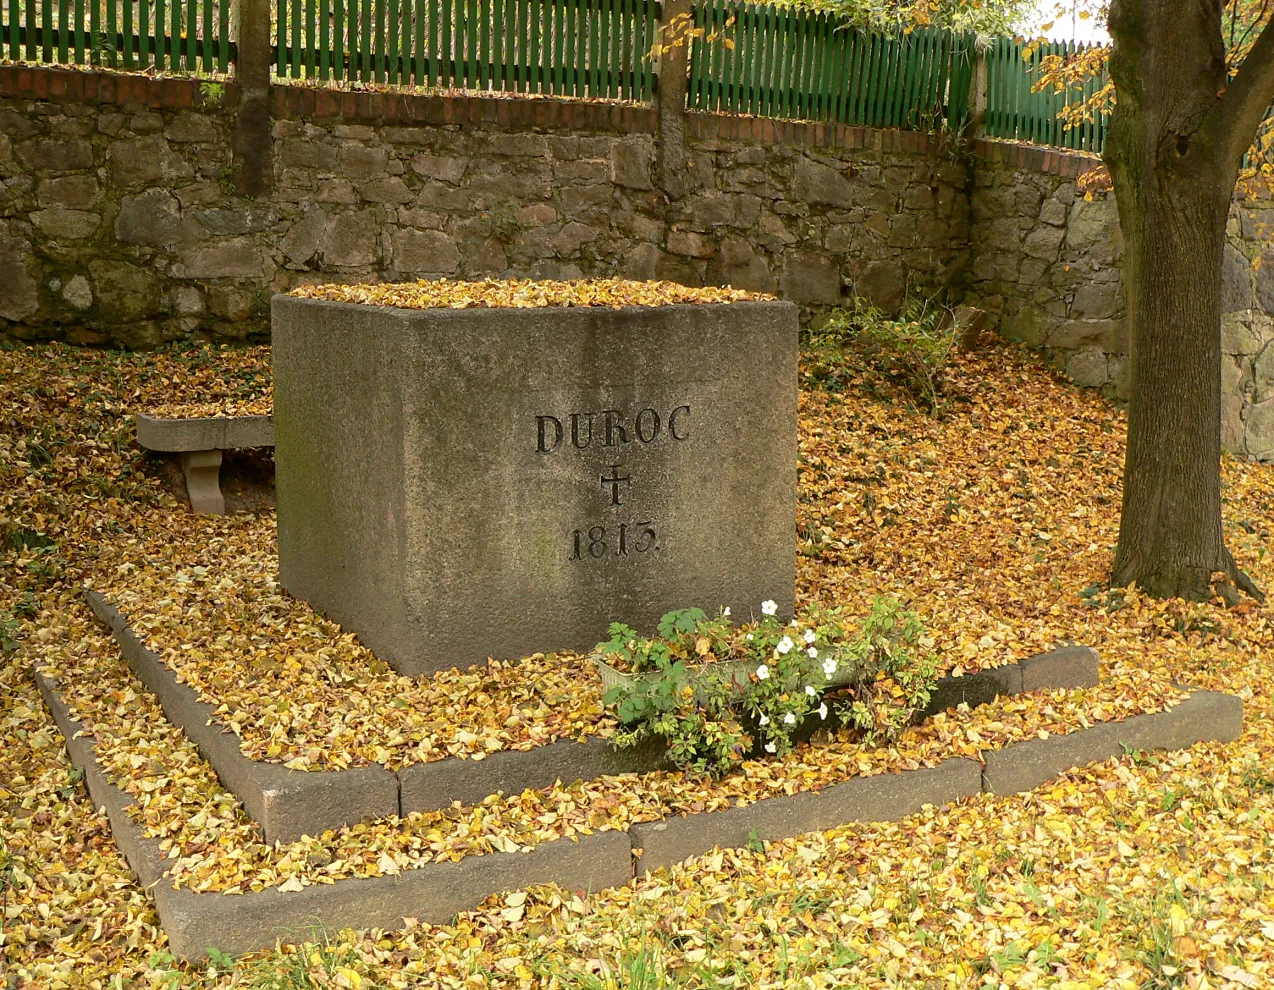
(1204, 716)
(1065, 666)
(1062, 668)
(433, 893)
(207, 433)
(291, 803)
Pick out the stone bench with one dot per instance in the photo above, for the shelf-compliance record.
(199, 443)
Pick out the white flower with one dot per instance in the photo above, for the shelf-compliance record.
(789, 719)
(810, 635)
(770, 747)
(809, 689)
(769, 607)
(762, 672)
(784, 645)
(829, 666)
(765, 720)
(749, 637)
(726, 611)
(822, 710)
(813, 653)
(792, 623)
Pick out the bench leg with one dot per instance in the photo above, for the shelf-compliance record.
(203, 484)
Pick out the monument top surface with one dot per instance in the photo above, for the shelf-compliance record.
(612, 293)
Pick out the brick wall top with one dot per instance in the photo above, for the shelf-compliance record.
(514, 113)
(1037, 158)
(809, 134)
(25, 82)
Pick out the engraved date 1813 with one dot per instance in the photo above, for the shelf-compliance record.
(616, 541)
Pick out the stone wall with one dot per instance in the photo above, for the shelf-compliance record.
(1047, 268)
(118, 219)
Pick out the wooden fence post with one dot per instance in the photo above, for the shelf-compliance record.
(252, 139)
(670, 96)
(978, 94)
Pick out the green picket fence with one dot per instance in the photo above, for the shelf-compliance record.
(173, 36)
(1017, 113)
(745, 58)
(780, 62)
(582, 48)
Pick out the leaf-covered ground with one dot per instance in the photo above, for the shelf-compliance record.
(996, 523)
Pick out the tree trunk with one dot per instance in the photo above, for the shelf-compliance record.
(1170, 537)
(1173, 185)
(1173, 182)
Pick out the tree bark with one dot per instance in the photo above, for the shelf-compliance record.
(1169, 154)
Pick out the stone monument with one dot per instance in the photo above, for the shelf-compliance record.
(455, 484)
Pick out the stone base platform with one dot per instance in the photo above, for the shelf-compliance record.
(195, 922)
(291, 803)
(199, 443)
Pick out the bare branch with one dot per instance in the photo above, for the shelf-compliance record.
(1248, 98)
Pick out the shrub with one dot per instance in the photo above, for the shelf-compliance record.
(891, 641)
(714, 691)
(912, 351)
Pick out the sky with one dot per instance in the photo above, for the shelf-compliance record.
(1068, 28)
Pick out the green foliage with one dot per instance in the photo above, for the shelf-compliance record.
(911, 352)
(715, 692)
(219, 961)
(213, 93)
(317, 964)
(680, 636)
(643, 968)
(695, 720)
(890, 644)
(73, 780)
(1156, 924)
(228, 178)
(984, 17)
(8, 632)
(164, 972)
(45, 565)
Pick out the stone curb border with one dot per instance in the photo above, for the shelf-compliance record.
(435, 892)
(200, 442)
(1020, 766)
(291, 803)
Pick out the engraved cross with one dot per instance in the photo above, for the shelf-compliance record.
(615, 480)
